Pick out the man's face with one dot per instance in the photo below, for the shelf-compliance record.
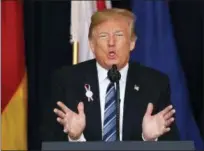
(111, 43)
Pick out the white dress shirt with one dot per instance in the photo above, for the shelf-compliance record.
(103, 84)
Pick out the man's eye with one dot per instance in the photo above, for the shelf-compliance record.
(119, 34)
(102, 36)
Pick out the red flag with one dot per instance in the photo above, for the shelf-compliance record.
(14, 129)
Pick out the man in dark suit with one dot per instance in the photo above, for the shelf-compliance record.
(86, 96)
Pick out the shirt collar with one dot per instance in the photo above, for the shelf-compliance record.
(102, 72)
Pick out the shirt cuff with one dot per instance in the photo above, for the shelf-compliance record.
(81, 139)
(146, 140)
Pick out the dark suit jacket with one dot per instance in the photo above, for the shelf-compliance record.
(68, 86)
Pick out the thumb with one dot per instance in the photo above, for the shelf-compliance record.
(80, 108)
(149, 109)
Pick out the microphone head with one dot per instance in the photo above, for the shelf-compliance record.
(113, 74)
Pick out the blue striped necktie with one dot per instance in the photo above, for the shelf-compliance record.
(109, 126)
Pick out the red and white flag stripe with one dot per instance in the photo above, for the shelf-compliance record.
(81, 12)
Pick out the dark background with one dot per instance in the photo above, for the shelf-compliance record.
(48, 48)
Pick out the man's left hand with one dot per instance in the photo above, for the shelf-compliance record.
(153, 126)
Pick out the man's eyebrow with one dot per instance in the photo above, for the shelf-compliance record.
(117, 31)
(103, 32)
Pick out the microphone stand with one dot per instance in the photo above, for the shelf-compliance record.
(114, 76)
(118, 110)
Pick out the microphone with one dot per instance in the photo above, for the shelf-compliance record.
(114, 76)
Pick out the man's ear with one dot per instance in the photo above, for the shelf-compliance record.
(133, 42)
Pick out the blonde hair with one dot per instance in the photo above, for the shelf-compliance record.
(106, 14)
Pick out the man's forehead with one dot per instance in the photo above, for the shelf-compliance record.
(106, 31)
(112, 24)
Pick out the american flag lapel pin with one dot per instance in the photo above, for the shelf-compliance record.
(136, 87)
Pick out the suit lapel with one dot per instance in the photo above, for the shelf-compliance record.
(132, 95)
(92, 108)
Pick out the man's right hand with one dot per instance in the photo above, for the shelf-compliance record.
(72, 122)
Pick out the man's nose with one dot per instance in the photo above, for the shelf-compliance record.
(111, 41)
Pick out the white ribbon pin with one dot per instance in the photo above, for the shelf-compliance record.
(89, 93)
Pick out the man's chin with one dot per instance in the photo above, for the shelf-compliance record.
(110, 63)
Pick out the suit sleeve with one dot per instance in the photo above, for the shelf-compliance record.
(51, 130)
(164, 101)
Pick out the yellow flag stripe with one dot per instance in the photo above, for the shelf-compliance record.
(14, 120)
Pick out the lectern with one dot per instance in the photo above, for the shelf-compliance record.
(119, 146)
